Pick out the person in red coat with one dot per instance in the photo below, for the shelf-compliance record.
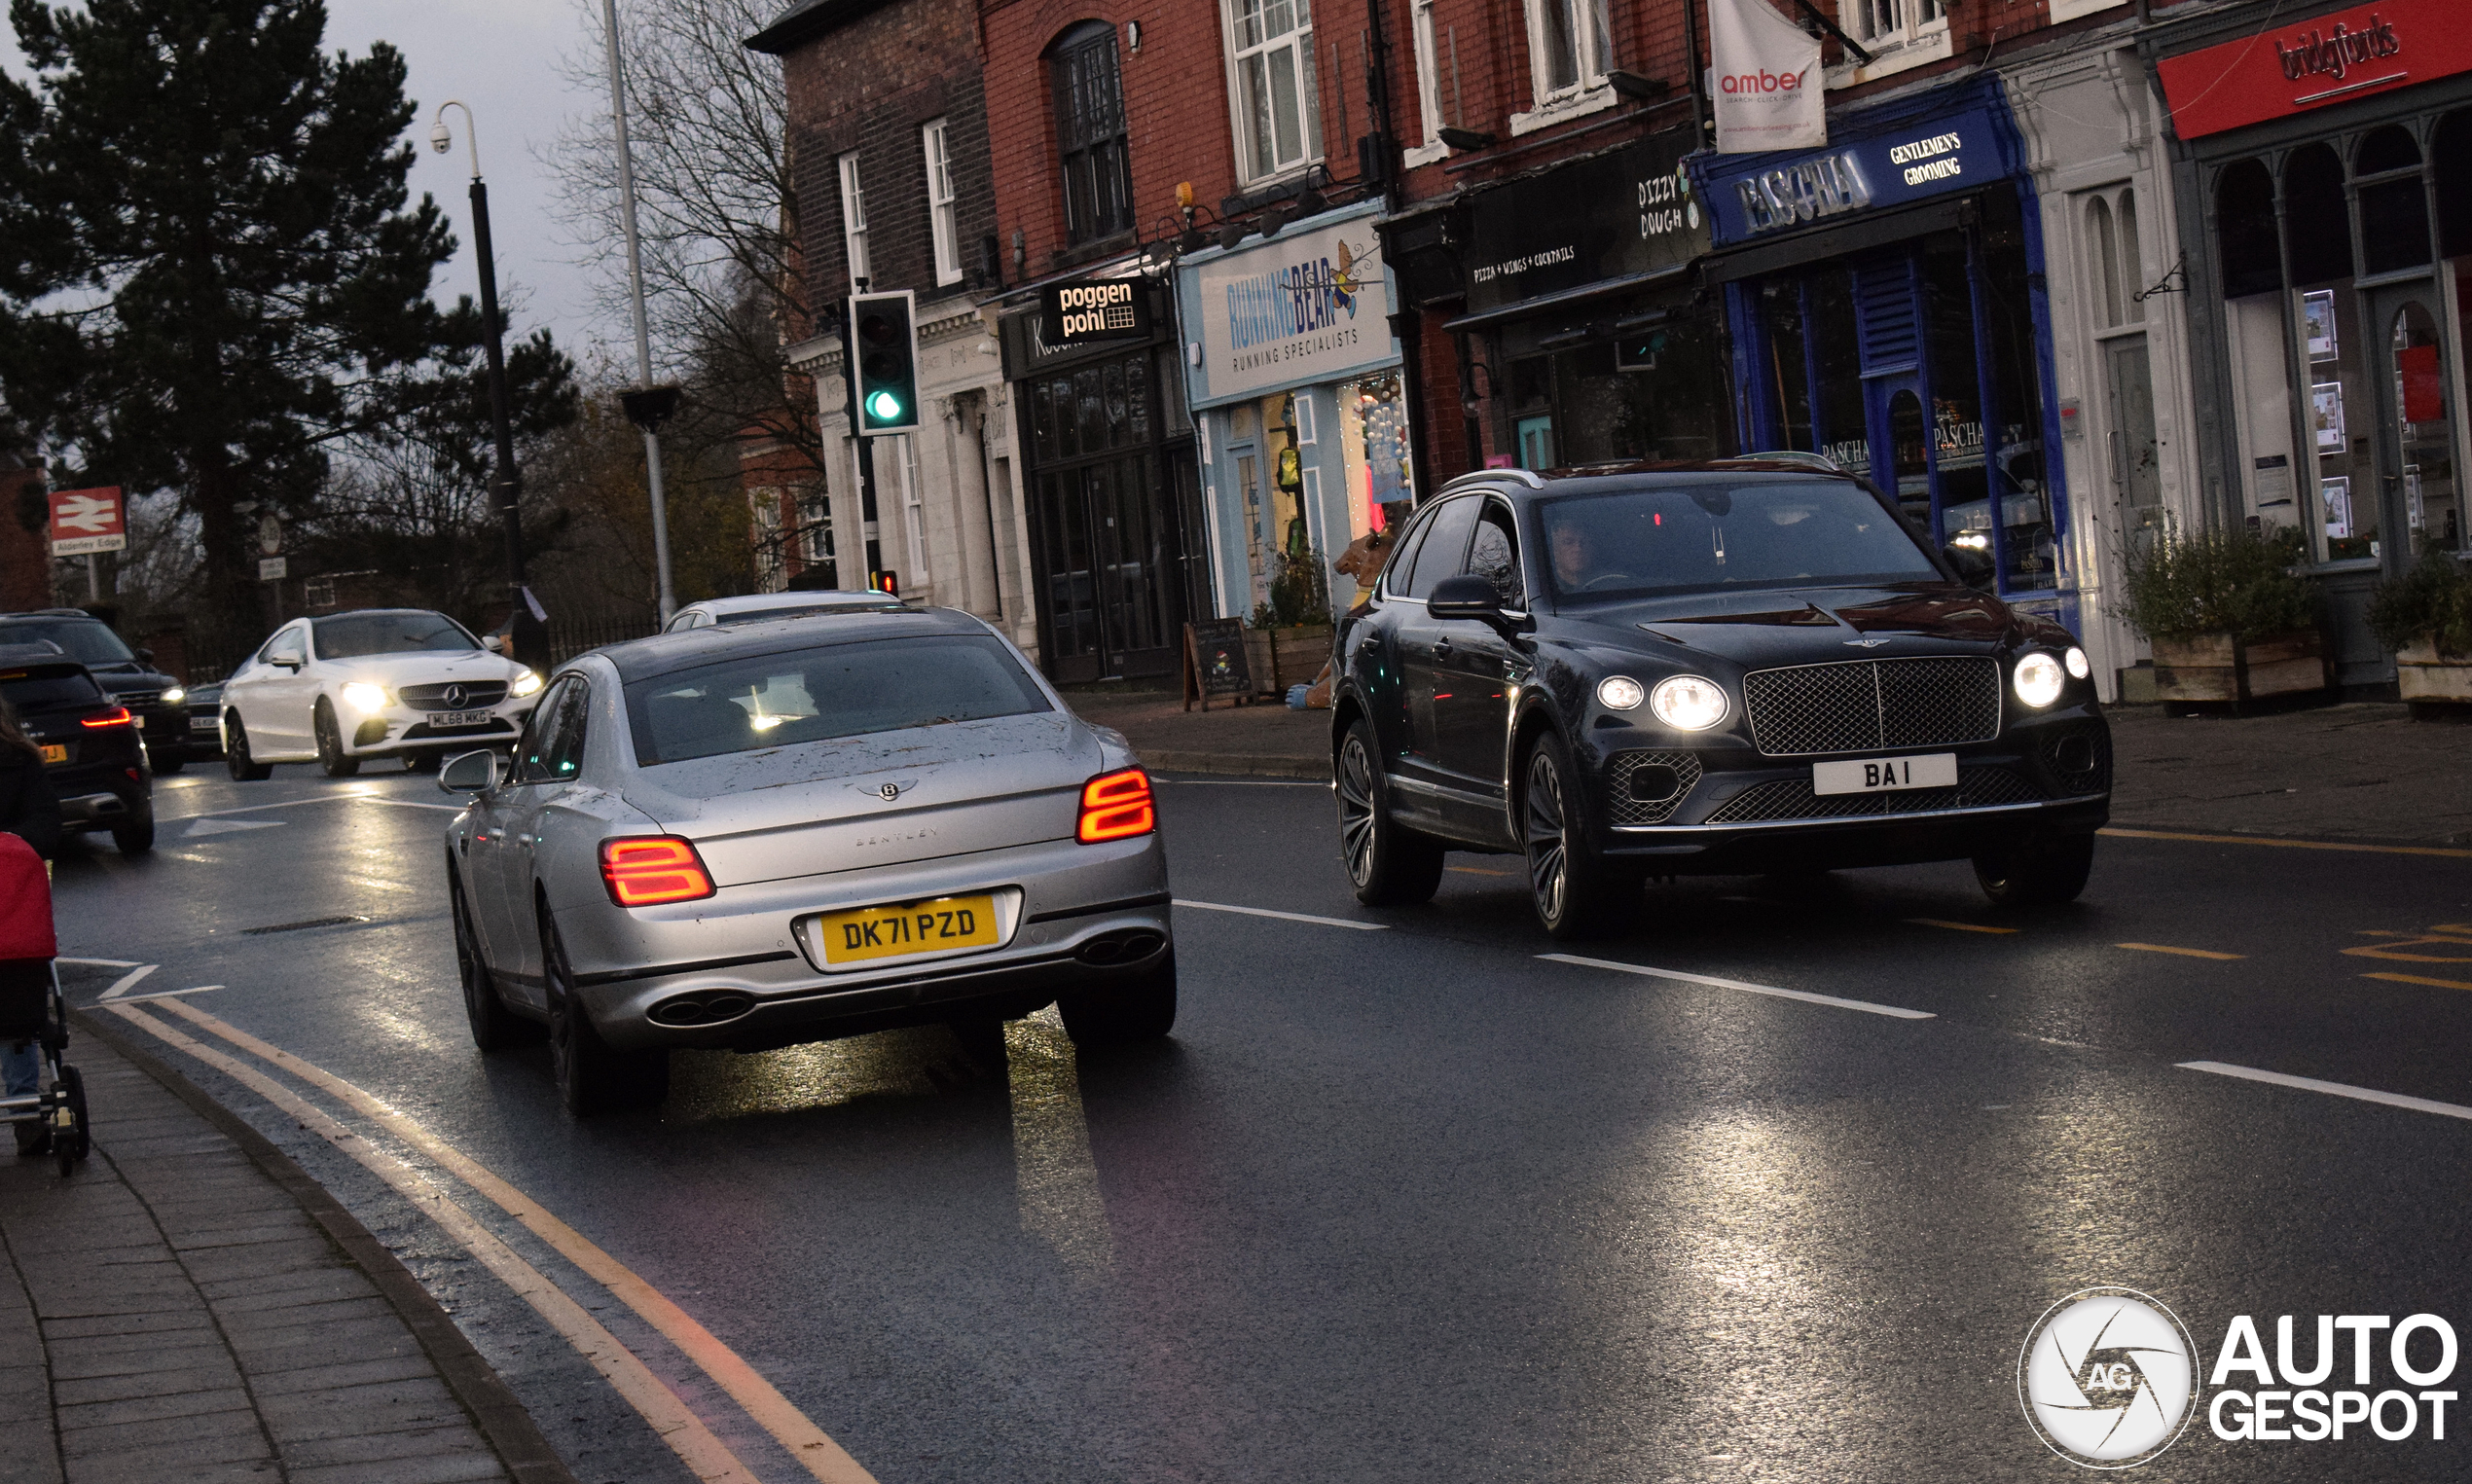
(30, 810)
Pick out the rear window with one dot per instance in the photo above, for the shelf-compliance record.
(85, 639)
(41, 693)
(838, 689)
(350, 635)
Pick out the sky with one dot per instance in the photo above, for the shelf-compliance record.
(501, 57)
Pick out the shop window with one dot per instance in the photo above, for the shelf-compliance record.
(943, 232)
(1373, 445)
(2451, 151)
(2317, 220)
(2431, 511)
(1836, 355)
(1788, 372)
(1271, 83)
(1570, 44)
(2394, 209)
(2244, 226)
(2390, 148)
(2118, 267)
(854, 219)
(1090, 134)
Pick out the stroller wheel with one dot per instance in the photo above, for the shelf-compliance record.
(70, 1144)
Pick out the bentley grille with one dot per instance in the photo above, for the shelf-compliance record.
(1867, 706)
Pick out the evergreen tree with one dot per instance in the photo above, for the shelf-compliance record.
(232, 280)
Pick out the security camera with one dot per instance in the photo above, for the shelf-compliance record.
(439, 139)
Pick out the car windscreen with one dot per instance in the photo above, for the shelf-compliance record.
(48, 691)
(802, 610)
(350, 635)
(1699, 537)
(836, 690)
(85, 641)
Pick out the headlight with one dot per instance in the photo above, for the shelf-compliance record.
(1621, 693)
(2038, 679)
(1688, 703)
(361, 696)
(174, 696)
(527, 683)
(2078, 666)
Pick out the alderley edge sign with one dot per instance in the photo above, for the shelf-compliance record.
(2296, 65)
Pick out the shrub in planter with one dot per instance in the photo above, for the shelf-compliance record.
(2228, 618)
(2426, 617)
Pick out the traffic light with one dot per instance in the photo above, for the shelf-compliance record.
(885, 346)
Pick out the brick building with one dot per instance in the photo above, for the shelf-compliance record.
(25, 554)
(888, 143)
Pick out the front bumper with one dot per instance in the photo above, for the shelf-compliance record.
(1081, 903)
(399, 729)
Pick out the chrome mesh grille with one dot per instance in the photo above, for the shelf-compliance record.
(1623, 767)
(1978, 787)
(1865, 706)
(477, 695)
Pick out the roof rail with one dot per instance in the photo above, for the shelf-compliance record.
(1529, 477)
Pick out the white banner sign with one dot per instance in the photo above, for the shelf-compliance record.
(1765, 74)
(1294, 310)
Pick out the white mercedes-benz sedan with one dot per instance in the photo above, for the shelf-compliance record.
(375, 682)
(752, 836)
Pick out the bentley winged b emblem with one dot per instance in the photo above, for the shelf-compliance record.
(1866, 643)
(890, 792)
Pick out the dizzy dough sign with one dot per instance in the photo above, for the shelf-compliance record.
(1293, 310)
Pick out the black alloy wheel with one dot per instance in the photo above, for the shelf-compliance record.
(591, 1077)
(330, 743)
(1576, 893)
(236, 761)
(136, 835)
(494, 1027)
(1389, 864)
(1127, 1011)
(2042, 874)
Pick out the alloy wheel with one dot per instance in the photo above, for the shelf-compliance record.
(1549, 856)
(1356, 810)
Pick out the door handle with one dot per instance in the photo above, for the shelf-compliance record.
(1442, 649)
(527, 839)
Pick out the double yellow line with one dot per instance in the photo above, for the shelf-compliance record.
(676, 1423)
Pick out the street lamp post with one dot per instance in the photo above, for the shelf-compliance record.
(641, 404)
(530, 642)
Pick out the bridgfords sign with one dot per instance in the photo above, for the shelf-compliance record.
(2299, 66)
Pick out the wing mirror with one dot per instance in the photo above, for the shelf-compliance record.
(289, 659)
(1974, 566)
(469, 773)
(1464, 597)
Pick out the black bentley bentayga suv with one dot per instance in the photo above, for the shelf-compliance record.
(1734, 667)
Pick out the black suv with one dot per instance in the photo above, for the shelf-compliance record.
(157, 700)
(1743, 666)
(90, 745)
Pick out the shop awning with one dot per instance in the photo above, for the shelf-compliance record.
(1584, 292)
(1755, 260)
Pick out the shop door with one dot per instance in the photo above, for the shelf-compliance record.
(2417, 471)
(1108, 570)
(2137, 467)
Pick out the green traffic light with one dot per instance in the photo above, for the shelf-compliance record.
(884, 407)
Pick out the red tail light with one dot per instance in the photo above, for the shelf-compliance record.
(117, 717)
(1116, 806)
(648, 870)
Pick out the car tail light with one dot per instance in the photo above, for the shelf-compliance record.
(1116, 806)
(648, 870)
(117, 717)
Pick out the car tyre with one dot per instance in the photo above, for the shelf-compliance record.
(330, 743)
(2041, 874)
(1125, 1012)
(494, 1027)
(236, 760)
(1576, 893)
(1390, 864)
(592, 1079)
(137, 836)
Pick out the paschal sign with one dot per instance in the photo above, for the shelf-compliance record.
(87, 520)
(2293, 66)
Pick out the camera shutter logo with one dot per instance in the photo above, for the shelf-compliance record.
(2108, 1378)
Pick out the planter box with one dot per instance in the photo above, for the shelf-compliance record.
(2427, 676)
(2217, 668)
(1283, 657)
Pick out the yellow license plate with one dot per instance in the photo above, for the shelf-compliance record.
(54, 752)
(904, 929)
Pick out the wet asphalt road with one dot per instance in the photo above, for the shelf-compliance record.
(1417, 1204)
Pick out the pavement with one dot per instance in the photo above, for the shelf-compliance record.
(188, 1306)
(2363, 771)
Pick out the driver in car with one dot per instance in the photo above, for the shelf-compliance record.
(1574, 557)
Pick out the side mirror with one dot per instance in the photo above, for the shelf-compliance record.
(289, 659)
(469, 773)
(1464, 597)
(1974, 566)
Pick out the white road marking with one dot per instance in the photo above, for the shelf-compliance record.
(170, 993)
(1286, 917)
(251, 808)
(453, 809)
(129, 981)
(100, 962)
(2336, 1089)
(1864, 1005)
(227, 826)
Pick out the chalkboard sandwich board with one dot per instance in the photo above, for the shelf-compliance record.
(1215, 662)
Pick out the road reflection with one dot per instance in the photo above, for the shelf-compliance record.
(710, 1085)
(1052, 1165)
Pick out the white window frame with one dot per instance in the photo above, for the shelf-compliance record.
(1588, 92)
(1308, 91)
(1898, 33)
(1429, 87)
(941, 221)
(853, 221)
(815, 531)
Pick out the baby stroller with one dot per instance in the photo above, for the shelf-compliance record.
(31, 1008)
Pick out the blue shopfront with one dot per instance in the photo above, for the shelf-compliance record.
(1885, 307)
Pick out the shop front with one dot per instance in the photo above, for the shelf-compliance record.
(2324, 176)
(1885, 305)
(1582, 337)
(1114, 518)
(1296, 391)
